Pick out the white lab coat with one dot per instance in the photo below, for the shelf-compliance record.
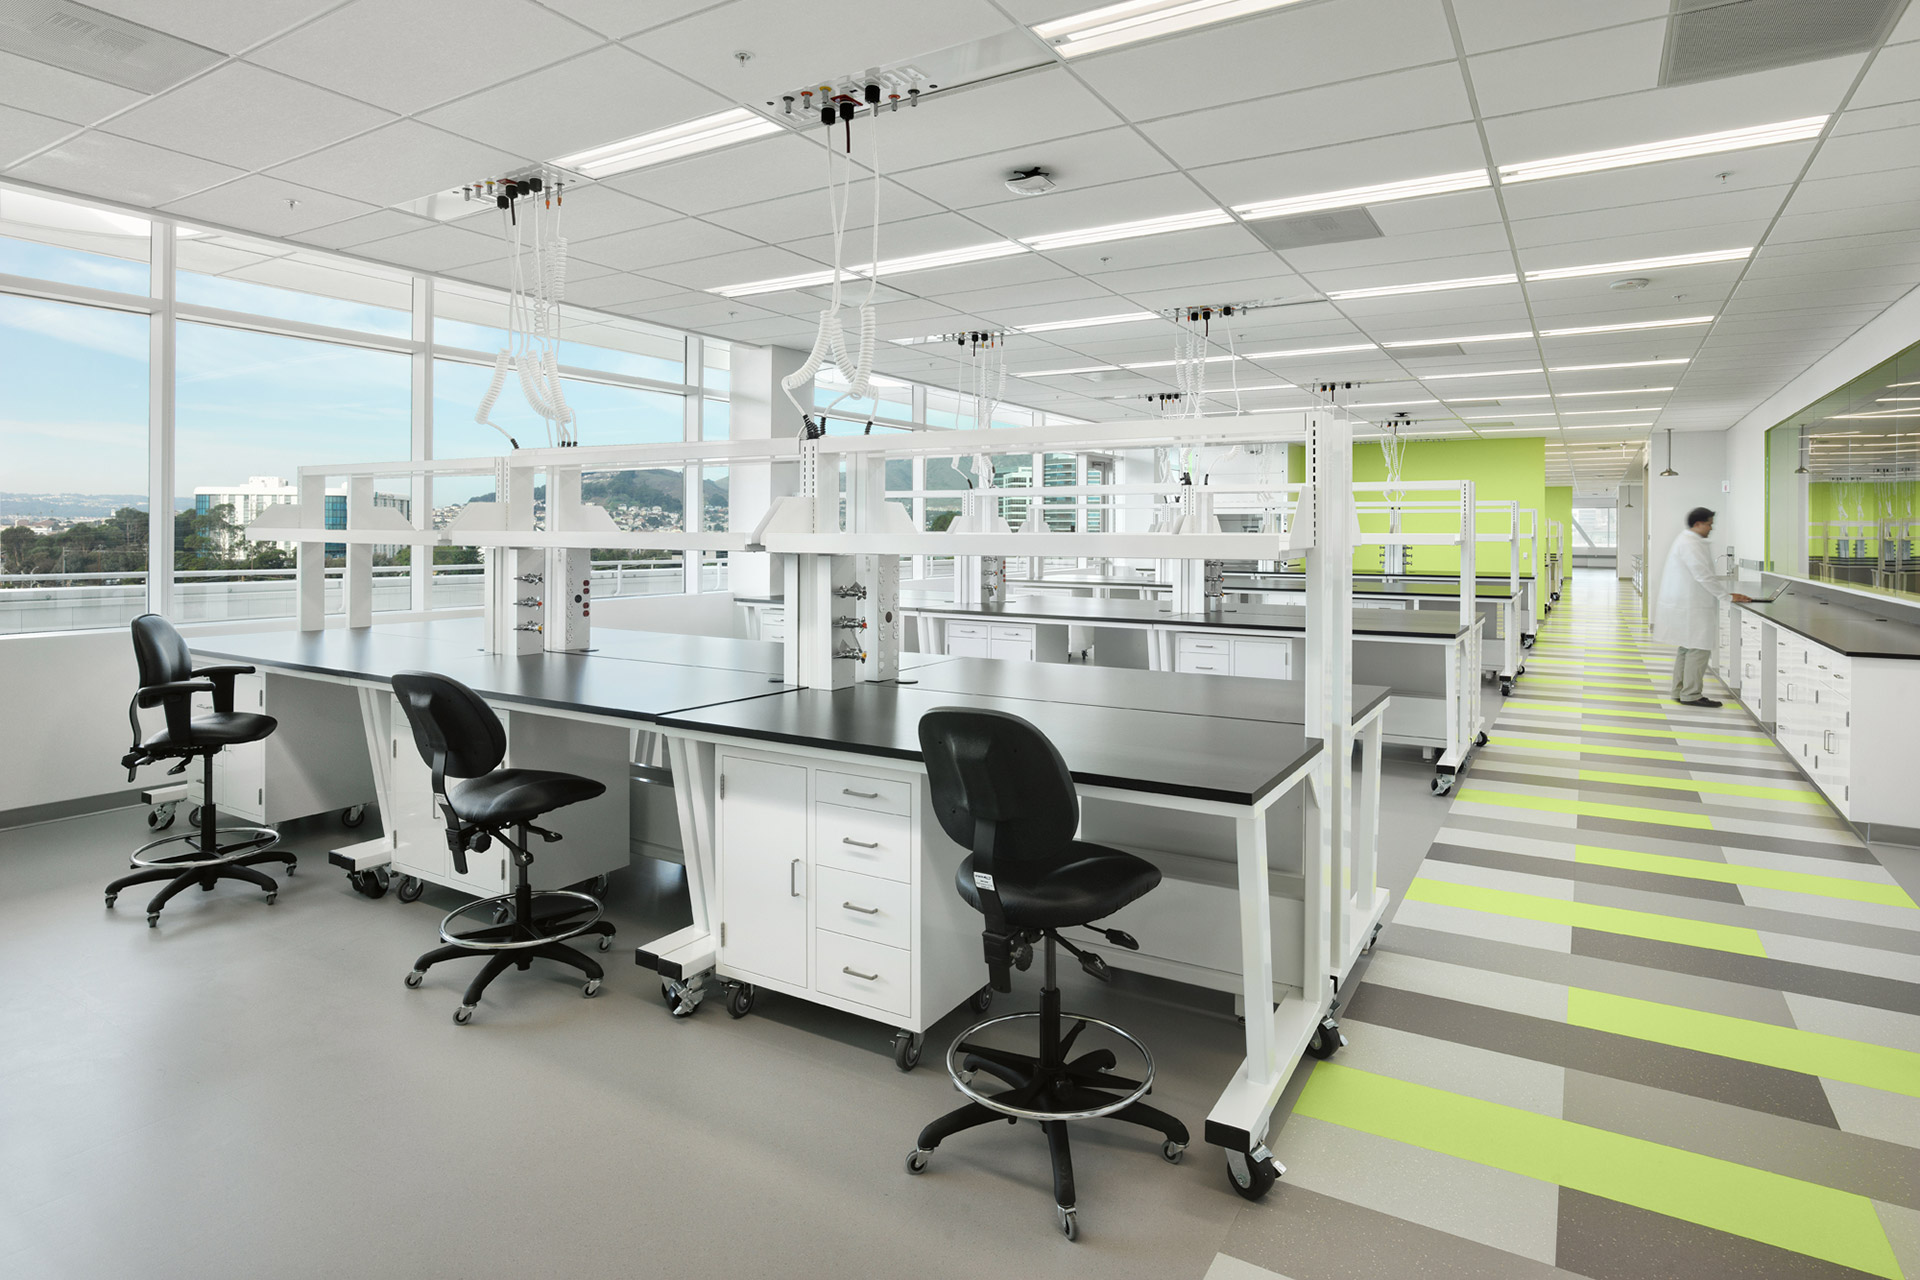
(1687, 612)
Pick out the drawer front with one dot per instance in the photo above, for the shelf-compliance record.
(861, 840)
(1002, 631)
(1204, 664)
(864, 907)
(864, 971)
(1191, 643)
(1268, 659)
(967, 630)
(882, 795)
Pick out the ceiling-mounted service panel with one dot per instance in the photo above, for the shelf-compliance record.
(906, 83)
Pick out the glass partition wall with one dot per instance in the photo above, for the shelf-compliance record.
(1843, 483)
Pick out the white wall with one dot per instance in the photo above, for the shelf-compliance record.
(66, 699)
(710, 613)
(1701, 459)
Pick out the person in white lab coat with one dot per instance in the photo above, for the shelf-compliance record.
(1687, 614)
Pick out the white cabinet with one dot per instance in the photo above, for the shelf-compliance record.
(969, 640)
(836, 886)
(315, 762)
(1015, 641)
(1814, 714)
(1213, 653)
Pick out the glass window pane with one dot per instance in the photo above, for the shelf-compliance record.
(716, 419)
(605, 414)
(73, 462)
(717, 377)
(250, 410)
(475, 318)
(236, 273)
(51, 239)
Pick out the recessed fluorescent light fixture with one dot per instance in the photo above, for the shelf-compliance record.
(1308, 351)
(1641, 264)
(1127, 230)
(1428, 286)
(1090, 322)
(1061, 373)
(1117, 24)
(1894, 399)
(1702, 144)
(1625, 391)
(1168, 364)
(1522, 336)
(1502, 399)
(1489, 373)
(1881, 416)
(887, 267)
(718, 130)
(1386, 404)
(1623, 364)
(1352, 197)
(1591, 413)
(1508, 417)
(1626, 328)
(1603, 426)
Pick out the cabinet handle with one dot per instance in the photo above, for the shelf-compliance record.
(1826, 739)
(865, 911)
(852, 972)
(794, 882)
(860, 844)
(860, 795)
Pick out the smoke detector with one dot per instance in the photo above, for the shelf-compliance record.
(1630, 284)
(1030, 182)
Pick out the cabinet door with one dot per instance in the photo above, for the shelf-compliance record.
(969, 647)
(1267, 658)
(763, 868)
(1012, 650)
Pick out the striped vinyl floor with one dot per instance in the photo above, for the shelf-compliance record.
(1649, 1008)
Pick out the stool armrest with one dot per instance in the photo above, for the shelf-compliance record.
(222, 677)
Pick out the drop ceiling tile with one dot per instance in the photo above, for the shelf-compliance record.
(794, 44)
(101, 164)
(372, 226)
(1717, 213)
(1020, 111)
(997, 273)
(1201, 245)
(259, 203)
(1863, 153)
(617, 287)
(244, 116)
(761, 263)
(1031, 302)
(654, 246)
(1299, 46)
(598, 97)
(761, 330)
(22, 133)
(408, 57)
(779, 220)
(1862, 188)
(907, 237)
(1498, 24)
(1446, 149)
(395, 163)
(1775, 167)
(1598, 64)
(1833, 224)
(436, 248)
(1081, 163)
(226, 25)
(1894, 77)
(1404, 249)
(617, 18)
(1160, 196)
(1456, 267)
(780, 165)
(697, 316)
(57, 92)
(587, 213)
(1437, 213)
(1163, 288)
(1328, 115)
(1873, 119)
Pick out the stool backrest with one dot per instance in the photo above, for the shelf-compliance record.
(988, 766)
(163, 656)
(451, 722)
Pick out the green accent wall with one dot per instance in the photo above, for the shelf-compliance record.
(1507, 470)
(1560, 507)
(1894, 501)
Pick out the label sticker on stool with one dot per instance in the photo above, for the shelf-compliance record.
(981, 880)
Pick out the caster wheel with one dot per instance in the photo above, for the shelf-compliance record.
(206, 886)
(156, 821)
(292, 865)
(1480, 739)
(1251, 1176)
(740, 999)
(906, 1051)
(112, 898)
(1523, 669)
(193, 817)
(411, 887)
(1506, 688)
(153, 919)
(1373, 940)
(271, 897)
(677, 1004)
(591, 990)
(1441, 784)
(414, 979)
(606, 942)
(981, 1000)
(600, 883)
(1327, 1040)
(353, 816)
(500, 913)
(370, 884)
(463, 1015)
(1069, 1222)
(917, 1161)
(1171, 1151)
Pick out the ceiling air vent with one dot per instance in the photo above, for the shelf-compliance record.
(1333, 226)
(1712, 39)
(99, 45)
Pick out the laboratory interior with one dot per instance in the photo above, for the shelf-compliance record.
(1276, 702)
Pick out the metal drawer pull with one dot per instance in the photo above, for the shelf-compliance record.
(793, 883)
(1827, 739)
(860, 795)
(852, 972)
(860, 844)
(865, 911)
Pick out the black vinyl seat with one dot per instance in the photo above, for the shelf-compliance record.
(459, 736)
(1000, 789)
(168, 679)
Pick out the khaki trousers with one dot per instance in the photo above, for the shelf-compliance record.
(1689, 672)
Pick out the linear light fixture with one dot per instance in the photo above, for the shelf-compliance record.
(1351, 197)
(1522, 336)
(1604, 426)
(1626, 328)
(1894, 399)
(1502, 399)
(1168, 364)
(1386, 404)
(1488, 373)
(1127, 230)
(1508, 417)
(1425, 286)
(1592, 413)
(1642, 264)
(887, 267)
(1135, 20)
(1061, 373)
(718, 130)
(1882, 416)
(1700, 144)
(1308, 351)
(1051, 326)
(1621, 391)
(1621, 364)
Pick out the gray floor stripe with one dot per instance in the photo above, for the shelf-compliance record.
(1654, 838)
(1743, 771)
(1743, 915)
(1759, 971)
(1587, 873)
(1808, 848)
(1705, 1075)
(1606, 1240)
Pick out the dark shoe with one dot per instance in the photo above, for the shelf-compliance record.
(1703, 702)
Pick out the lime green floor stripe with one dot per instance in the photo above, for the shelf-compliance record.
(1590, 683)
(1588, 748)
(1685, 735)
(1804, 1217)
(1798, 795)
(1587, 915)
(1790, 1049)
(1568, 709)
(1589, 808)
(1885, 895)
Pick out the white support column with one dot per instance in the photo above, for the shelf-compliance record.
(1326, 860)
(693, 484)
(310, 564)
(420, 578)
(160, 423)
(357, 582)
(760, 411)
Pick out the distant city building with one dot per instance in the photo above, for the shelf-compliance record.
(261, 492)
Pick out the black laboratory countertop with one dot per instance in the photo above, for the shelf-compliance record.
(1419, 624)
(1848, 625)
